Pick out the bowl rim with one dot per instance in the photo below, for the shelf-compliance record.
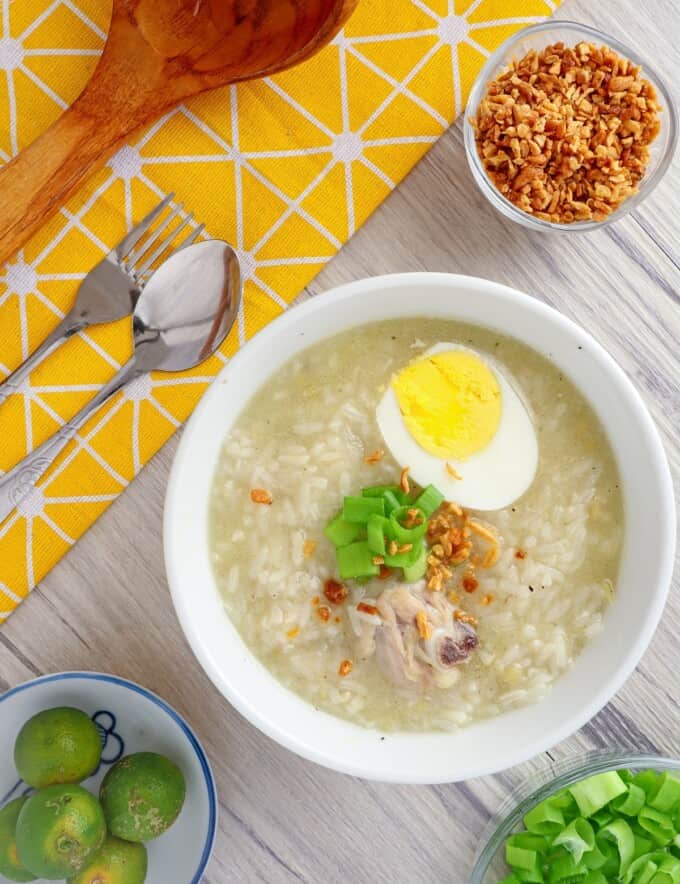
(194, 742)
(495, 63)
(543, 783)
(332, 301)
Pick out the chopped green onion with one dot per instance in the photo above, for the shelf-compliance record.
(578, 838)
(521, 859)
(565, 870)
(621, 834)
(596, 859)
(602, 817)
(631, 802)
(379, 490)
(545, 819)
(358, 509)
(429, 500)
(659, 825)
(401, 532)
(646, 869)
(392, 502)
(529, 841)
(405, 559)
(666, 794)
(377, 528)
(647, 780)
(642, 845)
(565, 801)
(356, 560)
(671, 865)
(367, 526)
(416, 571)
(595, 878)
(593, 793)
(533, 876)
(340, 532)
(612, 863)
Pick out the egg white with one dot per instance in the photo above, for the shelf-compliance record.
(492, 478)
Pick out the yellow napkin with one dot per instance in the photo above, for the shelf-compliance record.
(285, 169)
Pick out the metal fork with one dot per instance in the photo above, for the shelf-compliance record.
(111, 289)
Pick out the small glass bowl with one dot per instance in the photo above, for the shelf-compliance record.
(570, 33)
(489, 862)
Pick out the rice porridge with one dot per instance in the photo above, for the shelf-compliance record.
(509, 591)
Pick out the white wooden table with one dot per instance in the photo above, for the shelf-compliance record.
(106, 606)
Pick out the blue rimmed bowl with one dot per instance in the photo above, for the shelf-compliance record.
(129, 719)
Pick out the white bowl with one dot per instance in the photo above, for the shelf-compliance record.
(490, 745)
(129, 719)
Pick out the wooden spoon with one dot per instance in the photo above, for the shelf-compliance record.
(158, 53)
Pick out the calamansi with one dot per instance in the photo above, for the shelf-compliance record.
(142, 796)
(118, 862)
(59, 829)
(59, 745)
(10, 864)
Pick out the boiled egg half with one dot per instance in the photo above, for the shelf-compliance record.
(456, 421)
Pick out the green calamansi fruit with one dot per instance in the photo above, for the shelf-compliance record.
(59, 745)
(10, 864)
(59, 829)
(118, 862)
(142, 796)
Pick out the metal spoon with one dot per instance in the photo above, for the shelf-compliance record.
(181, 318)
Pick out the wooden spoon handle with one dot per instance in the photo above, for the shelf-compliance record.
(43, 176)
(124, 93)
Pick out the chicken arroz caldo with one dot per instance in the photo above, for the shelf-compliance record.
(417, 524)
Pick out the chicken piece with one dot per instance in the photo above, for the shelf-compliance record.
(395, 641)
(404, 656)
(365, 643)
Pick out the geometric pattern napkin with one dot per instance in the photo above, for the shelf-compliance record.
(286, 169)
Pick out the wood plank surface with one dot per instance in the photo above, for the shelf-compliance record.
(106, 606)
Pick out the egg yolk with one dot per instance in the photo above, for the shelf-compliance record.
(450, 403)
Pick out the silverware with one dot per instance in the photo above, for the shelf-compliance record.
(183, 315)
(110, 290)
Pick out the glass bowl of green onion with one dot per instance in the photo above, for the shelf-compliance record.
(601, 818)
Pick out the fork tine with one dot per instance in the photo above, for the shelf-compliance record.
(157, 252)
(193, 236)
(144, 247)
(130, 241)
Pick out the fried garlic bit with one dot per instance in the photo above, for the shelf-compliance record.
(261, 495)
(374, 457)
(453, 537)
